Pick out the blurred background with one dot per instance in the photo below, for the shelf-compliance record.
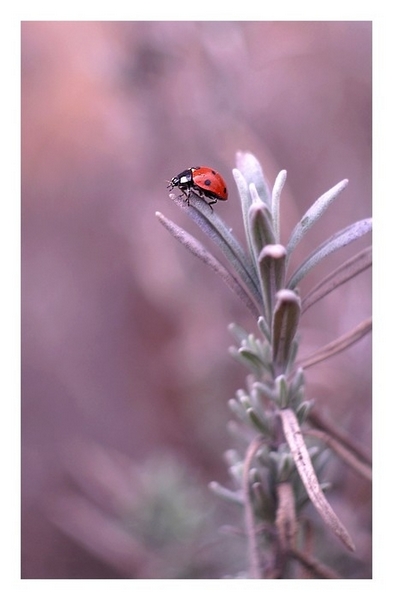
(125, 369)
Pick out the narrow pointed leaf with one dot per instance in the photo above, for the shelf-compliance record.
(271, 263)
(297, 383)
(282, 391)
(352, 267)
(238, 332)
(200, 251)
(285, 322)
(249, 517)
(346, 455)
(258, 422)
(262, 234)
(337, 241)
(214, 228)
(264, 328)
(252, 172)
(266, 391)
(261, 227)
(249, 174)
(245, 203)
(303, 410)
(338, 345)
(226, 494)
(252, 358)
(335, 432)
(264, 502)
(237, 409)
(276, 197)
(313, 214)
(307, 474)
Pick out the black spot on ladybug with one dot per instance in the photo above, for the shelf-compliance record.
(207, 182)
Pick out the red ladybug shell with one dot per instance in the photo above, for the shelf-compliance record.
(210, 181)
(203, 181)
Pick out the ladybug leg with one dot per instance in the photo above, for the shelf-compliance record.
(186, 193)
(203, 197)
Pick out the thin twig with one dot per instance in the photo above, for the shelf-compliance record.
(286, 525)
(352, 267)
(314, 565)
(318, 421)
(338, 345)
(308, 535)
(347, 456)
(286, 516)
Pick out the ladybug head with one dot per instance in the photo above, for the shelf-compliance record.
(174, 182)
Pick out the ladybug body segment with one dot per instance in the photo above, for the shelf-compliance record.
(207, 183)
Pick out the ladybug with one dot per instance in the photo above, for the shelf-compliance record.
(207, 183)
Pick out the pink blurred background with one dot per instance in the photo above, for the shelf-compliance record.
(124, 334)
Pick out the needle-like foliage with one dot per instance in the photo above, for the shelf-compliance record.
(278, 469)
